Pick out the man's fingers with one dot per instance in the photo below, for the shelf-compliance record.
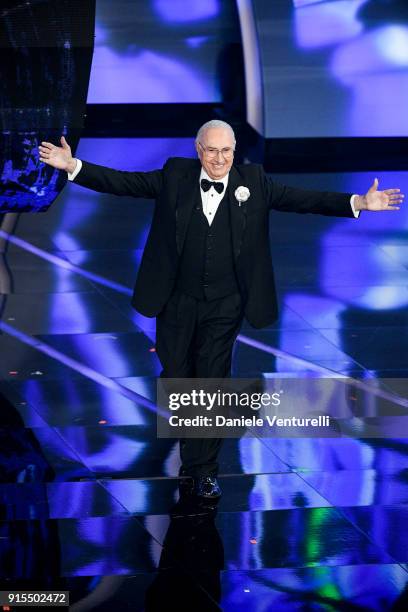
(390, 191)
(48, 145)
(374, 186)
(44, 155)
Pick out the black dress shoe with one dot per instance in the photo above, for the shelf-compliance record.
(207, 487)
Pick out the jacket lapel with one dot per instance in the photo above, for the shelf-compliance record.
(188, 195)
(237, 213)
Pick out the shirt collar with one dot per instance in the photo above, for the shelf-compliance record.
(204, 175)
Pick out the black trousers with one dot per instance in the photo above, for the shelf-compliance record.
(195, 339)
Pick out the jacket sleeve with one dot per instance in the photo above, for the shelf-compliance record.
(292, 199)
(120, 182)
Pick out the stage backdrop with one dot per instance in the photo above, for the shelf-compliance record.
(46, 52)
(326, 68)
(161, 51)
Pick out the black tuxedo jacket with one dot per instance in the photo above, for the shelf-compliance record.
(176, 188)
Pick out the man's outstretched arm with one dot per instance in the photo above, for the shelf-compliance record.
(100, 178)
(292, 199)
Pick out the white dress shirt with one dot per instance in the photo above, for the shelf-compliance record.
(211, 198)
(356, 213)
(72, 175)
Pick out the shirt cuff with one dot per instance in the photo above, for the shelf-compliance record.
(356, 213)
(72, 175)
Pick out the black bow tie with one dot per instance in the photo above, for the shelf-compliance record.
(205, 185)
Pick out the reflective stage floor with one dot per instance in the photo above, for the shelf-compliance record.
(88, 492)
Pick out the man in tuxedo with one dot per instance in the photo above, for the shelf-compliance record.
(207, 260)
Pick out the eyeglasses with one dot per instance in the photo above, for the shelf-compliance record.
(211, 152)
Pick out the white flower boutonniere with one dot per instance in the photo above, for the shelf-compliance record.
(242, 194)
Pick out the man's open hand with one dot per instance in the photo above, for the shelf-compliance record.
(389, 199)
(57, 157)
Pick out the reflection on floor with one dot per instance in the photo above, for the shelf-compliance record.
(88, 494)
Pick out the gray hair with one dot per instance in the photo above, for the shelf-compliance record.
(214, 123)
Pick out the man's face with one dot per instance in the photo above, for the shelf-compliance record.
(209, 150)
